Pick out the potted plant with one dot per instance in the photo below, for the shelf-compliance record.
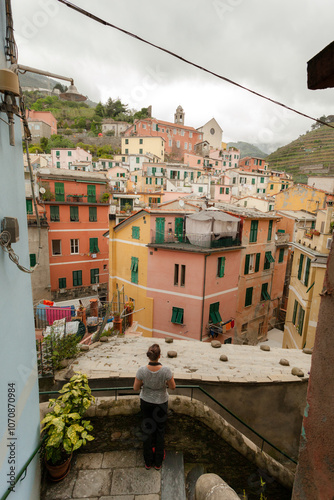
(129, 306)
(127, 207)
(64, 429)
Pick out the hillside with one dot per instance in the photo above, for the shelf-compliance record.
(312, 153)
(247, 149)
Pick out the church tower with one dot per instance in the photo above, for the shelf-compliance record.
(179, 115)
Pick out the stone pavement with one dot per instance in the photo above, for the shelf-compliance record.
(122, 356)
(114, 475)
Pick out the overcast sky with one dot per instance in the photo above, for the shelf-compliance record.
(261, 44)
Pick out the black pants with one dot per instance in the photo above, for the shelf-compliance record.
(153, 427)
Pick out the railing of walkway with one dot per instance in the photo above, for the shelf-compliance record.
(117, 391)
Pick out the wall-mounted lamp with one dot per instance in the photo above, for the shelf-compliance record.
(10, 87)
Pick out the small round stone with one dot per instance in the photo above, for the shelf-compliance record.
(307, 351)
(216, 343)
(116, 435)
(297, 371)
(103, 339)
(84, 347)
(223, 357)
(265, 347)
(168, 340)
(172, 354)
(284, 362)
(64, 363)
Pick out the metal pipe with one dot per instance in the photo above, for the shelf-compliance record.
(19, 67)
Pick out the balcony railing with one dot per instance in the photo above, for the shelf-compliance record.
(198, 240)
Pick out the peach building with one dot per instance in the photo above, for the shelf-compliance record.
(64, 157)
(43, 116)
(77, 218)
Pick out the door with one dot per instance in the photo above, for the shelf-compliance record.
(179, 228)
(160, 230)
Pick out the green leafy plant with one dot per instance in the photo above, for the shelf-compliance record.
(61, 347)
(64, 428)
(105, 197)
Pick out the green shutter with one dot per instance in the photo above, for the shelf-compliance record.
(77, 278)
(253, 231)
(29, 206)
(264, 292)
(249, 296)
(91, 194)
(134, 269)
(300, 269)
(270, 230)
(271, 186)
(301, 321)
(177, 315)
(94, 276)
(227, 191)
(54, 213)
(135, 232)
(92, 214)
(93, 245)
(247, 258)
(32, 257)
(214, 313)
(281, 255)
(295, 307)
(307, 271)
(62, 283)
(59, 191)
(221, 267)
(179, 228)
(74, 214)
(257, 262)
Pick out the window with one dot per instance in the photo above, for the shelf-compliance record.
(29, 206)
(93, 245)
(32, 258)
(252, 263)
(135, 232)
(126, 141)
(61, 282)
(54, 213)
(126, 151)
(94, 276)
(200, 189)
(267, 260)
(298, 317)
(59, 191)
(140, 151)
(198, 162)
(77, 278)
(281, 255)
(270, 230)
(244, 327)
(56, 247)
(137, 159)
(214, 314)
(185, 145)
(307, 271)
(253, 231)
(227, 191)
(234, 180)
(75, 246)
(183, 275)
(92, 214)
(177, 315)
(134, 269)
(176, 274)
(57, 153)
(249, 296)
(271, 186)
(301, 260)
(140, 141)
(264, 292)
(221, 267)
(177, 144)
(123, 158)
(262, 180)
(58, 164)
(271, 208)
(74, 214)
(69, 153)
(190, 135)
(91, 194)
(221, 190)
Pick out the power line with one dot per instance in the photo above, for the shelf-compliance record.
(173, 54)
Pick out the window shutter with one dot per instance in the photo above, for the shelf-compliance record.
(301, 260)
(301, 321)
(32, 257)
(249, 296)
(257, 262)
(247, 258)
(270, 230)
(307, 271)
(295, 307)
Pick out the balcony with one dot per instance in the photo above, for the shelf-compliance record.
(193, 241)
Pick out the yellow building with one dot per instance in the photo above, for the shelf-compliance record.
(128, 257)
(278, 181)
(144, 145)
(311, 249)
(303, 197)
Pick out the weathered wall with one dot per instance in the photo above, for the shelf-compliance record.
(315, 472)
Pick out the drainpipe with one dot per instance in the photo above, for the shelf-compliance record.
(203, 301)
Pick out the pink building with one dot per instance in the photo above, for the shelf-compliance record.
(252, 164)
(43, 116)
(193, 274)
(64, 157)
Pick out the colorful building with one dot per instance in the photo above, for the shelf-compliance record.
(44, 117)
(182, 276)
(142, 145)
(252, 164)
(278, 181)
(310, 253)
(303, 197)
(64, 157)
(77, 214)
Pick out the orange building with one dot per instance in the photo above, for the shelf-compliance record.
(77, 213)
(252, 164)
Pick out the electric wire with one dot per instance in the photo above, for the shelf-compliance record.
(177, 56)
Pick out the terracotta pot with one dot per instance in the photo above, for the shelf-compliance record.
(117, 323)
(58, 472)
(130, 317)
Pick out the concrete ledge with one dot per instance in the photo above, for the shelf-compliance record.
(212, 487)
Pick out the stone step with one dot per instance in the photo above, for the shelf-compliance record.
(172, 477)
(194, 473)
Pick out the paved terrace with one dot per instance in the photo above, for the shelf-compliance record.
(195, 361)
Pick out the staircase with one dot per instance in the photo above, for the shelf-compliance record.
(172, 477)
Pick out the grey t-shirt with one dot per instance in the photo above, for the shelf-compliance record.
(154, 389)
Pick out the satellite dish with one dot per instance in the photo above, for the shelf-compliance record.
(136, 201)
(42, 190)
(181, 203)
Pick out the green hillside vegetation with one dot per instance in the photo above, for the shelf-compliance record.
(247, 149)
(301, 157)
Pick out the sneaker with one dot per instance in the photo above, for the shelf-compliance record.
(148, 467)
(157, 467)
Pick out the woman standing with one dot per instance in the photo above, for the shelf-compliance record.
(153, 380)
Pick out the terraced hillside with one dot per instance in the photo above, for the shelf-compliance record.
(311, 154)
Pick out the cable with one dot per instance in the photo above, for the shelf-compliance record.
(173, 54)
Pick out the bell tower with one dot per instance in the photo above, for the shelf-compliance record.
(179, 115)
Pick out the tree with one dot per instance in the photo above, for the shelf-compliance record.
(44, 143)
(114, 108)
(143, 113)
(58, 141)
(60, 87)
(99, 110)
